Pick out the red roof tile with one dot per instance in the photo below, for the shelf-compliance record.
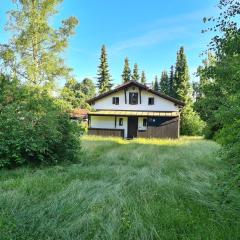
(78, 113)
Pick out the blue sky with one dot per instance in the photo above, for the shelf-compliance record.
(147, 32)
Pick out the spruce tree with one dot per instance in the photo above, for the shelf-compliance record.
(104, 78)
(143, 78)
(182, 87)
(126, 75)
(164, 83)
(135, 75)
(190, 120)
(171, 82)
(156, 85)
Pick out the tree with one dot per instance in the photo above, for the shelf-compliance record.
(76, 94)
(135, 75)
(221, 94)
(41, 131)
(191, 123)
(208, 96)
(155, 84)
(171, 81)
(88, 88)
(104, 77)
(164, 83)
(143, 78)
(182, 87)
(126, 75)
(34, 52)
(71, 93)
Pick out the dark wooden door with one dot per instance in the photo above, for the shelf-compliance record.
(132, 127)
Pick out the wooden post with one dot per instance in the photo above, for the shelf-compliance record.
(140, 95)
(89, 121)
(179, 126)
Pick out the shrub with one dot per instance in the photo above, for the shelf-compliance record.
(35, 128)
(191, 123)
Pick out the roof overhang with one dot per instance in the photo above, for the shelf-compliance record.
(134, 113)
(142, 86)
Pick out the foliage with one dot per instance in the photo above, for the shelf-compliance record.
(191, 123)
(76, 94)
(104, 77)
(171, 81)
(222, 93)
(164, 83)
(143, 78)
(155, 84)
(126, 75)
(88, 88)
(135, 75)
(209, 97)
(34, 127)
(33, 53)
(164, 189)
(182, 79)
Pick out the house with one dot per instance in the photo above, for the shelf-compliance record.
(134, 110)
(79, 114)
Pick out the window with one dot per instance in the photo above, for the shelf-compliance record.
(120, 123)
(151, 101)
(115, 100)
(133, 98)
(152, 121)
(157, 121)
(144, 122)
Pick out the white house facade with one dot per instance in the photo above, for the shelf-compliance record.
(134, 110)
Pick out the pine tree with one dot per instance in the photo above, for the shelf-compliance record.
(182, 87)
(156, 85)
(126, 75)
(104, 78)
(171, 82)
(164, 83)
(135, 75)
(143, 78)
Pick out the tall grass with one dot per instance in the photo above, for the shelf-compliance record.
(139, 189)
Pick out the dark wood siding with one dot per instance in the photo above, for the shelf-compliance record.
(132, 127)
(169, 129)
(106, 132)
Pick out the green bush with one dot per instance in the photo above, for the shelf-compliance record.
(191, 123)
(35, 128)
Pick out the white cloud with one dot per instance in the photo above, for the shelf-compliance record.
(147, 39)
(162, 30)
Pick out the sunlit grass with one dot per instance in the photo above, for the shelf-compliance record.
(149, 141)
(121, 189)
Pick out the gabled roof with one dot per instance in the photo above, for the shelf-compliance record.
(140, 85)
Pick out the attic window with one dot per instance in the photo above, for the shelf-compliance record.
(133, 98)
(151, 101)
(115, 100)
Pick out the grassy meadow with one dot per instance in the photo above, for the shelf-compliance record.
(138, 189)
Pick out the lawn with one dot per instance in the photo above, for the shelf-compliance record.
(139, 189)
